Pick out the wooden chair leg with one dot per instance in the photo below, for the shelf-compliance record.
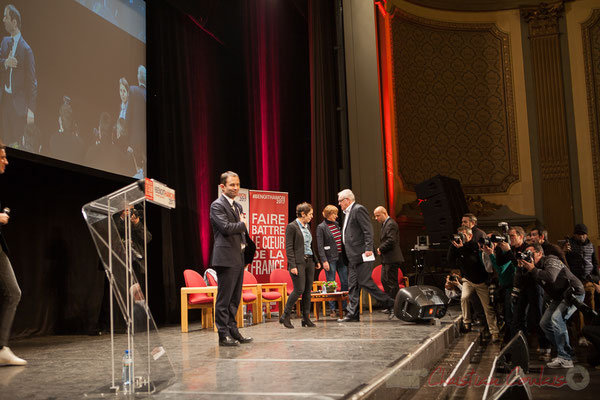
(370, 304)
(184, 313)
(360, 302)
(240, 315)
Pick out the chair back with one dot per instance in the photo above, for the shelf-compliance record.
(400, 279)
(281, 275)
(376, 275)
(194, 279)
(210, 279)
(323, 277)
(249, 279)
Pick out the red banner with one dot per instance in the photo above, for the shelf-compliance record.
(267, 221)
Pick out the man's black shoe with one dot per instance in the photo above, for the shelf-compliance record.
(242, 339)
(387, 310)
(465, 328)
(228, 341)
(348, 318)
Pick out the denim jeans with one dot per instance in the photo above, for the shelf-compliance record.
(554, 325)
(11, 294)
(342, 271)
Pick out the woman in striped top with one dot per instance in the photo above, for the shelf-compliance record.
(329, 247)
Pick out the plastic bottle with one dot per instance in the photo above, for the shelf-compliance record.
(127, 362)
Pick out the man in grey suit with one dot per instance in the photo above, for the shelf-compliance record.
(390, 252)
(357, 236)
(229, 229)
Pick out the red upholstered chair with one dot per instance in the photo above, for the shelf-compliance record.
(282, 275)
(271, 292)
(197, 295)
(211, 280)
(250, 296)
(376, 275)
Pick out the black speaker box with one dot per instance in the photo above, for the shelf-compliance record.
(516, 387)
(515, 353)
(442, 203)
(420, 303)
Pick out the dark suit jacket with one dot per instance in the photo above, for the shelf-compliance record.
(294, 246)
(326, 246)
(228, 231)
(136, 119)
(24, 81)
(389, 245)
(358, 234)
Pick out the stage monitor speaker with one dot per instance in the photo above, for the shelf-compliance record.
(516, 387)
(515, 353)
(420, 303)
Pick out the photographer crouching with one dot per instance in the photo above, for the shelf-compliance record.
(464, 253)
(527, 295)
(565, 291)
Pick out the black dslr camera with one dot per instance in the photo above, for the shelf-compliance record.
(526, 255)
(459, 237)
(487, 241)
(570, 298)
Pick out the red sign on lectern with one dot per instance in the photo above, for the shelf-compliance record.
(267, 221)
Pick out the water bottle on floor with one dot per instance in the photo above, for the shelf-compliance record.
(127, 362)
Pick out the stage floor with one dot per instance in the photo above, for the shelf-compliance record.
(326, 362)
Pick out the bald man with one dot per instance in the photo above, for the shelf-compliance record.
(390, 252)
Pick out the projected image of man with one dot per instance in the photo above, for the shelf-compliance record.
(18, 79)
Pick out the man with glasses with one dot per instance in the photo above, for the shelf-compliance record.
(357, 237)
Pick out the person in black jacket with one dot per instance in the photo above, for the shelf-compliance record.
(556, 280)
(390, 252)
(528, 296)
(301, 261)
(465, 254)
(357, 237)
(329, 247)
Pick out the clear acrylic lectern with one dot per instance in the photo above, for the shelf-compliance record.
(117, 223)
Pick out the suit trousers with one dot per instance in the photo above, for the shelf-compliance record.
(303, 283)
(230, 282)
(359, 277)
(11, 295)
(13, 125)
(389, 279)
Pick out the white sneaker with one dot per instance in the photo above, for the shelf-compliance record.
(7, 357)
(560, 363)
(584, 342)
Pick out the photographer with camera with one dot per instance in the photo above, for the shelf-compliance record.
(470, 221)
(453, 285)
(583, 262)
(539, 234)
(527, 296)
(506, 274)
(464, 253)
(565, 291)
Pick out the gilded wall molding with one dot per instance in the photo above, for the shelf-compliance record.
(590, 30)
(454, 103)
(543, 19)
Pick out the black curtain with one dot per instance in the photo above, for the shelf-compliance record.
(197, 128)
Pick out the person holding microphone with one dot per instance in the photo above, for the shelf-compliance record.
(9, 287)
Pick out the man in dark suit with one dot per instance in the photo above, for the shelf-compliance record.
(390, 252)
(229, 229)
(136, 118)
(357, 236)
(18, 81)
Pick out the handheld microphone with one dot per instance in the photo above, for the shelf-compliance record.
(6, 210)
